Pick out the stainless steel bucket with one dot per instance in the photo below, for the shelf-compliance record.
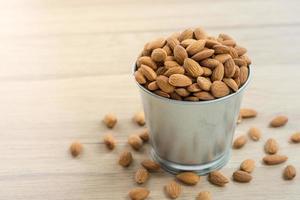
(191, 136)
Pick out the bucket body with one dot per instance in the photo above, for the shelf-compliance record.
(191, 136)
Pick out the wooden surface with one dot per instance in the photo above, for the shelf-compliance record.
(64, 64)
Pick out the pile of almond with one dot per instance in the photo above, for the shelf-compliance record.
(193, 66)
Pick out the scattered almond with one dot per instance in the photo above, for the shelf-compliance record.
(110, 141)
(144, 135)
(138, 193)
(110, 120)
(76, 149)
(289, 172)
(254, 133)
(139, 118)
(274, 159)
(295, 137)
(150, 165)
(242, 176)
(239, 142)
(173, 190)
(141, 175)
(217, 178)
(125, 159)
(189, 178)
(271, 146)
(248, 165)
(278, 121)
(204, 195)
(135, 142)
(248, 113)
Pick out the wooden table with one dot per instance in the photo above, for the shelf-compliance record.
(64, 64)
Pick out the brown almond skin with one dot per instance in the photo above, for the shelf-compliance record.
(135, 142)
(248, 165)
(204, 83)
(146, 60)
(141, 176)
(244, 72)
(138, 193)
(125, 159)
(204, 96)
(173, 190)
(219, 89)
(139, 118)
(189, 178)
(192, 67)
(295, 137)
(254, 133)
(157, 43)
(278, 121)
(110, 141)
(205, 53)
(239, 142)
(150, 165)
(274, 159)
(186, 34)
(139, 77)
(148, 72)
(180, 80)
(248, 113)
(163, 83)
(76, 149)
(174, 70)
(271, 146)
(158, 55)
(231, 84)
(242, 177)
(289, 172)
(218, 73)
(204, 195)
(180, 54)
(200, 33)
(110, 120)
(195, 47)
(217, 178)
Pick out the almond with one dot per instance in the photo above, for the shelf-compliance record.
(110, 120)
(192, 67)
(182, 92)
(206, 53)
(158, 55)
(172, 42)
(194, 88)
(144, 135)
(191, 98)
(162, 94)
(138, 193)
(295, 137)
(278, 121)
(170, 64)
(125, 159)
(161, 71)
(224, 36)
(146, 60)
(217, 178)
(248, 165)
(110, 141)
(246, 58)
(241, 176)
(164, 85)
(221, 49)
(218, 73)
(239, 142)
(229, 68)
(206, 71)
(248, 113)
(185, 43)
(274, 159)
(228, 42)
(243, 74)
(150, 165)
(76, 149)
(173, 190)
(237, 72)
(289, 172)
(195, 47)
(204, 83)
(152, 86)
(168, 50)
(189, 178)
(139, 118)
(139, 77)
(158, 43)
(180, 54)
(205, 96)
(271, 146)
(231, 84)
(174, 70)
(254, 133)
(135, 142)
(179, 80)
(233, 53)
(219, 89)
(199, 33)
(222, 57)
(209, 63)
(240, 62)
(237, 81)
(204, 195)
(141, 176)
(148, 72)
(210, 43)
(175, 96)
(186, 34)
(170, 58)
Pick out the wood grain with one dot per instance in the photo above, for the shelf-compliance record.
(64, 64)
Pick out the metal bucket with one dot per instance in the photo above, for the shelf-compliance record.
(191, 136)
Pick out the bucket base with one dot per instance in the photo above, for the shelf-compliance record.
(175, 168)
